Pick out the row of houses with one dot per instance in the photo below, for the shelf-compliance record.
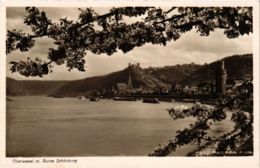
(220, 86)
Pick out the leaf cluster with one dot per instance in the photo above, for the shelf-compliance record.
(31, 68)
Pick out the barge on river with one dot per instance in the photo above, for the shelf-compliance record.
(150, 100)
(124, 99)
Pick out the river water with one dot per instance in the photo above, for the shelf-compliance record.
(44, 126)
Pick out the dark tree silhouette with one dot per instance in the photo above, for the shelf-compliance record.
(110, 32)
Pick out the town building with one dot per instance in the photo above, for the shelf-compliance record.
(206, 88)
(121, 87)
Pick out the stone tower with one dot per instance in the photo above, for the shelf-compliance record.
(221, 77)
(129, 84)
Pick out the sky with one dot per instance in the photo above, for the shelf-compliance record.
(189, 48)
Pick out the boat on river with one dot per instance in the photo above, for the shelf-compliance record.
(150, 100)
(82, 98)
(124, 99)
(57, 96)
(166, 99)
(95, 99)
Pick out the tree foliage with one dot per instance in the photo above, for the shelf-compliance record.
(228, 144)
(110, 32)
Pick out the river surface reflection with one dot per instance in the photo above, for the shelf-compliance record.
(44, 126)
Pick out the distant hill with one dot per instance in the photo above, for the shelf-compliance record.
(25, 87)
(139, 79)
(238, 66)
(172, 74)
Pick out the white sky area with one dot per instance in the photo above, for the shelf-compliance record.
(189, 48)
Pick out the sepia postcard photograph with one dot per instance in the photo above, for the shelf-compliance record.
(131, 81)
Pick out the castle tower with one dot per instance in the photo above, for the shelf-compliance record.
(129, 84)
(221, 77)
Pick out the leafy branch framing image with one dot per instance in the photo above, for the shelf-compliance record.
(110, 33)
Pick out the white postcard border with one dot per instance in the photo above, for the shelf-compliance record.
(133, 162)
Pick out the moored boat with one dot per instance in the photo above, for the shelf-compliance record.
(150, 100)
(82, 98)
(124, 99)
(57, 96)
(94, 99)
(166, 99)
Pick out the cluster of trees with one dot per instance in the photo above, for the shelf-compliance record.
(110, 32)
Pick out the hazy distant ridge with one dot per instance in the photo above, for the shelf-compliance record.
(237, 66)
(25, 87)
